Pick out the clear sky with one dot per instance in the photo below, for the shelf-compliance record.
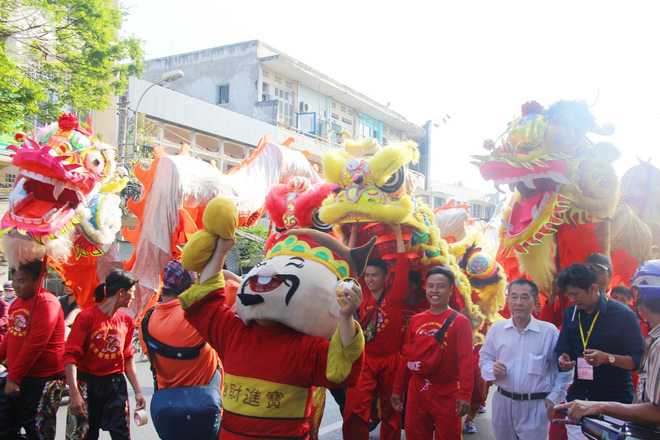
(477, 61)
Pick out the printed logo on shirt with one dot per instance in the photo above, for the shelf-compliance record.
(18, 322)
(429, 328)
(405, 321)
(376, 323)
(413, 365)
(107, 342)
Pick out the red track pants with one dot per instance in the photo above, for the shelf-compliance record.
(376, 381)
(432, 408)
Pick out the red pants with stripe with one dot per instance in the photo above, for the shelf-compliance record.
(432, 409)
(376, 381)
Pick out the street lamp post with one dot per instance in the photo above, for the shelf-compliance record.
(167, 77)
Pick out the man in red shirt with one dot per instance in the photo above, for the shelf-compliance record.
(381, 319)
(437, 401)
(33, 349)
(414, 302)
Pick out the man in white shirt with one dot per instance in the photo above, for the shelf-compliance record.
(518, 356)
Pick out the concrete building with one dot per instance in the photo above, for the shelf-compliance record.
(482, 205)
(233, 95)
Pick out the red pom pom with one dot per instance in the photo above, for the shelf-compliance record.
(531, 107)
(67, 122)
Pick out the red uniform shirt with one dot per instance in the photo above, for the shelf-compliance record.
(408, 311)
(4, 319)
(388, 316)
(269, 372)
(456, 367)
(40, 353)
(98, 343)
(554, 313)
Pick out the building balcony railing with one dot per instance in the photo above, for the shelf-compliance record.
(418, 179)
(316, 145)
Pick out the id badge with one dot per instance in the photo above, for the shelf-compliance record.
(585, 370)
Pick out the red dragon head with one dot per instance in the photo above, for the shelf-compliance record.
(555, 171)
(558, 176)
(57, 187)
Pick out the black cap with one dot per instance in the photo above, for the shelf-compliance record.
(600, 260)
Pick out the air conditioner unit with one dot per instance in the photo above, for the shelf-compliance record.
(304, 107)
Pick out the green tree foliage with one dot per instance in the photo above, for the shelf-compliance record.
(147, 135)
(251, 252)
(59, 54)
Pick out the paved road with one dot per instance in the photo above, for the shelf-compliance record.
(330, 426)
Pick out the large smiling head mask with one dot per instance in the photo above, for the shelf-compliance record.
(295, 285)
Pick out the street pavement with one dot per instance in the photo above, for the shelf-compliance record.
(330, 425)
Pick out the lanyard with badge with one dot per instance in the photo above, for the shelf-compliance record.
(585, 370)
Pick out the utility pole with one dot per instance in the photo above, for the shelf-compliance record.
(122, 112)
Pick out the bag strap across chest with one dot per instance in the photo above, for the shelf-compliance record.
(154, 346)
(441, 333)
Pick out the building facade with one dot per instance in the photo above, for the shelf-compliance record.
(280, 95)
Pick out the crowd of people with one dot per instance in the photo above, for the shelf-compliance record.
(581, 363)
(41, 357)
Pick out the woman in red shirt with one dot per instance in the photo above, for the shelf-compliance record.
(98, 352)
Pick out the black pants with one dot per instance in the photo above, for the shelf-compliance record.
(107, 407)
(20, 411)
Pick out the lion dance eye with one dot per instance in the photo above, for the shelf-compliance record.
(395, 182)
(95, 161)
(352, 165)
(318, 224)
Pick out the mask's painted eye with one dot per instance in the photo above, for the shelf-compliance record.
(318, 224)
(352, 165)
(395, 182)
(95, 161)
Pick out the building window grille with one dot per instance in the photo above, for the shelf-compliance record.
(285, 107)
(223, 94)
(477, 211)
